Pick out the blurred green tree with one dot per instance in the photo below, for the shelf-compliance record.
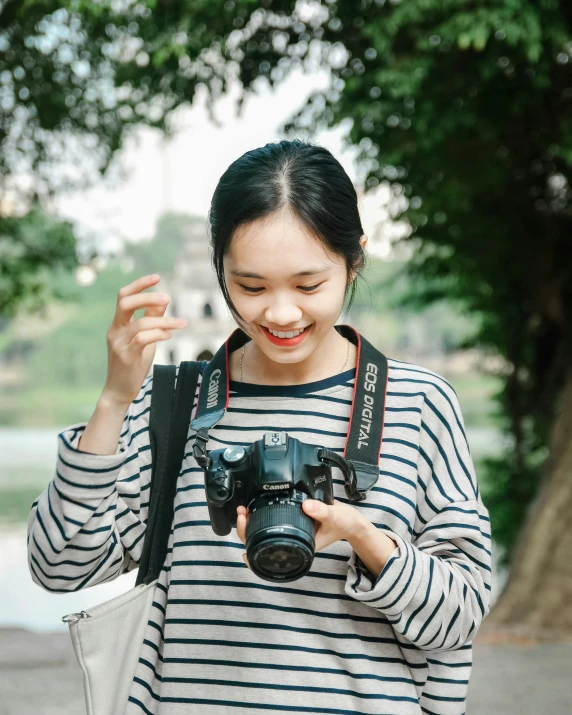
(463, 107)
(31, 248)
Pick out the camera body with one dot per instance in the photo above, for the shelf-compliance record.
(272, 477)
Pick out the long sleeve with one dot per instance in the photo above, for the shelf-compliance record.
(435, 587)
(88, 525)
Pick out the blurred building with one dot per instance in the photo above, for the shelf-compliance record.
(195, 296)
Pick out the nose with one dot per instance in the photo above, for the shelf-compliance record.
(282, 313)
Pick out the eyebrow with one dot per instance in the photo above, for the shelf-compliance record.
(309, 272)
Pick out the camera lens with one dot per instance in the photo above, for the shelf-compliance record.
(283, 560)
(279, 539)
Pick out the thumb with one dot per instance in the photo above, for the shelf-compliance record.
(315, 508)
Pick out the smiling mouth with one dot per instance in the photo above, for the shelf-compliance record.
(285, 334)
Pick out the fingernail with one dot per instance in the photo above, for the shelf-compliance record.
(311, 507)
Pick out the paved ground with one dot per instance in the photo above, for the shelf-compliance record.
(39, 675)
(524, 680)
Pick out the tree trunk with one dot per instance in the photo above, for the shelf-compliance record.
(538, 593)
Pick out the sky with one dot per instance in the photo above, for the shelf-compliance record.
(181, 174)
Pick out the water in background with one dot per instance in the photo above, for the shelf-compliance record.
(27, 461)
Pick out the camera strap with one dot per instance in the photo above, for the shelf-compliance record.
(363, 441)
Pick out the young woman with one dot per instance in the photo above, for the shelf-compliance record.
(400, 583)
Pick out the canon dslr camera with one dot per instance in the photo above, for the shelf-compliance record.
(272, 477)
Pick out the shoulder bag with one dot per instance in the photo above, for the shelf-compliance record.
(107, 638)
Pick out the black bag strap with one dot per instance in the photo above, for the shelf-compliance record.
(172, 400)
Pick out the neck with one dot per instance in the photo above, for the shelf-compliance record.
(325, 361)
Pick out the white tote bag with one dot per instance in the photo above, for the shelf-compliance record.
(107, 638)
(107, 642)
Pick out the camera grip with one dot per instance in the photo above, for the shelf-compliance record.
(219, 519)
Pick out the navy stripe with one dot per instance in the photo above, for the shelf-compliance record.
(272, 686)
(285, 647)
(290, 668)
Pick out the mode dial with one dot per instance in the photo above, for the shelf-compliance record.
(233, 455)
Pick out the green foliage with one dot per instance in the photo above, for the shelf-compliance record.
(381, 311)
(30, 247)
(509, 488)
(75, 353)
(78, 76)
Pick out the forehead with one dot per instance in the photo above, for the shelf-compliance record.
(279, 246)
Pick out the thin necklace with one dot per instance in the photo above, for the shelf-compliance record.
(244, 348)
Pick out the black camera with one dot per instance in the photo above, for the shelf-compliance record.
(272, 477)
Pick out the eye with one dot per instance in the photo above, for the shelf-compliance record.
(309, 288)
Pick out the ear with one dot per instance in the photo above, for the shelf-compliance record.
(362, 243)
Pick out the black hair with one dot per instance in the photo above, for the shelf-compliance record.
(295, 174)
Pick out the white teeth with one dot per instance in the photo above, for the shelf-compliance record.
(290, 334)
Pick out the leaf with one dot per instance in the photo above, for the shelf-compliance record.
(480, 37)
(464, 40)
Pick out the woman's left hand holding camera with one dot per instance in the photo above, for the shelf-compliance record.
(335, 522)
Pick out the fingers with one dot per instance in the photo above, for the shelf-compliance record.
(157, 326)
(242, 516)
(138, 285)
(130, 298)
(154, 303)
(153, 326)
(313, 508)
(241, 523)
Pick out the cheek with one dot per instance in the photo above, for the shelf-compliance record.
(243, 303)
(331, 301)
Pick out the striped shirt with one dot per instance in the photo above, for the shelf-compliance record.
(339, 641)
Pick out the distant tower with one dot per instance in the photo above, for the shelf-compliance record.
(195, 296)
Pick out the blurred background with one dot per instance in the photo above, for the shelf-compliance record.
(453, 120)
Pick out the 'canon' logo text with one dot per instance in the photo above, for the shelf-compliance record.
(213, 389)
(275, 486)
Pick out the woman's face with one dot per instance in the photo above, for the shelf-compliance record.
(281, 279)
